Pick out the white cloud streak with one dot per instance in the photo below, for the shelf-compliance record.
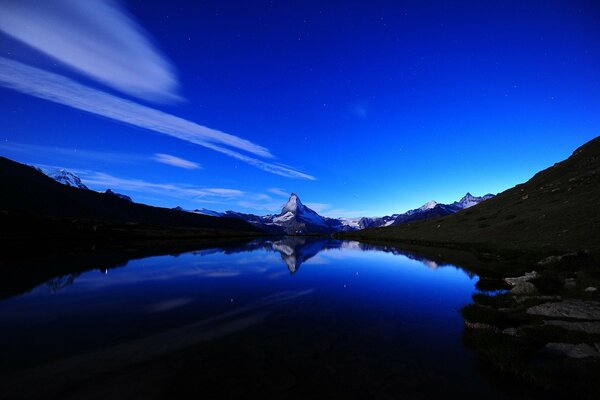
(94, 37)
(59, 89)
(102, 180)
(64, 152)
(175, 161)
(278, 192)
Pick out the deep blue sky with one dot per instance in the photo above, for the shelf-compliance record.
(387, 104)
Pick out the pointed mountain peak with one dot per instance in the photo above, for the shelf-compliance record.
(292, 204)
(429, 205)
(467, 196)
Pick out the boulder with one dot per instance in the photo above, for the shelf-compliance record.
(524, 289)
(521, 279)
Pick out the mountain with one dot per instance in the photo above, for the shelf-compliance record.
(68, 178)
(296, 218)
(119, 195)
(469, 201)
(554, 211)
(202, 211)
(63, 176)
(431, 209)
(35, 205)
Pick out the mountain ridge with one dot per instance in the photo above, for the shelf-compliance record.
(554, 211)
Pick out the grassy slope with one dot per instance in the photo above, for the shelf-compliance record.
(555, 211)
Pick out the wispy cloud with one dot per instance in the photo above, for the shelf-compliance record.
(53, 87)
(175, 161)
(65, 152)
(327, 210)
(97, 38)
(187, 192)
(278, 192)
(319, 207)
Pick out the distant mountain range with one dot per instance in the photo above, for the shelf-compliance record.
(555, 211)
(297, 218)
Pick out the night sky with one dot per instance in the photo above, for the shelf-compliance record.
(361, 107)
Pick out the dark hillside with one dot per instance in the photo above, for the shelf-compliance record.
(555, 211)
(33, 204)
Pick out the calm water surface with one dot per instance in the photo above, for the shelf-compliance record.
(281, 318)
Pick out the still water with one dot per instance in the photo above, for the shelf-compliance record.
(287, 318)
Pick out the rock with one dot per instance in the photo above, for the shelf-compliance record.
(524, 289)
(478, 325)
(581, 350)
(580, 326)
(520, 279)
(523, 299)
(590, 289)
(510, 331)
(568, 260)
(570, 283)
(576, 309)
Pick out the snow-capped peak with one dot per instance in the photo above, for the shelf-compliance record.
(429, 205)
(469, 200)
(63, 176)
(292, 204)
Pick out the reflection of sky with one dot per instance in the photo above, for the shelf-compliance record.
(164, 292)
(185, 266)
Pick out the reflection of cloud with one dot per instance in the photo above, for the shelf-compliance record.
(175, 161)
(169, 304)
(96, 38)
(59, 89)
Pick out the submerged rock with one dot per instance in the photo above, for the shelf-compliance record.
(581, 350)
(576, 309)
(590, 289)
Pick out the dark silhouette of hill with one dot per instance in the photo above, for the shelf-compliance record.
(34, 205)
(555, 211)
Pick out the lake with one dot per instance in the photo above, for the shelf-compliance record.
(279, 318)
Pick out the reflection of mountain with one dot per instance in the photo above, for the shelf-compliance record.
(59, 267)
(296, 250)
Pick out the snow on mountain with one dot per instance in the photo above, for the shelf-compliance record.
(431, 209)
(203, 211)
(429, 205)
(469, 200)
(296, 218)
(68, 178)
(63, 176)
